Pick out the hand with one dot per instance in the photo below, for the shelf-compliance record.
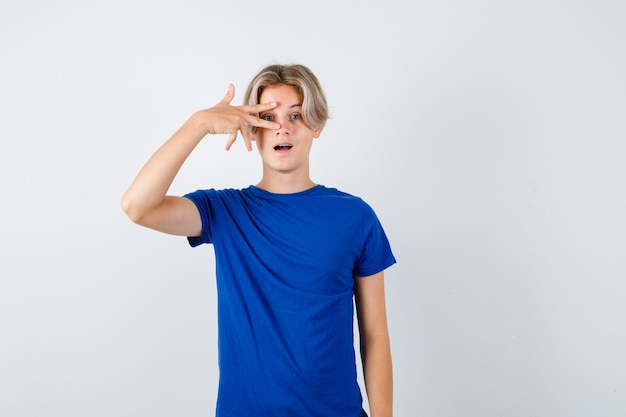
(226, 119)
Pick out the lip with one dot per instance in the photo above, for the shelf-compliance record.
(288, 146)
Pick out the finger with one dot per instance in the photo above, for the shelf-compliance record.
(232, 138)
(247, 136)
(258, 122)
(258, 108)
(230, 94)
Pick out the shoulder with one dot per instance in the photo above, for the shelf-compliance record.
(212, 199)
(351, 208)
(354, 201)
(212, 193)
(336, 194)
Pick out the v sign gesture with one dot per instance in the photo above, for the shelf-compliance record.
(223, 118)
(146, 202)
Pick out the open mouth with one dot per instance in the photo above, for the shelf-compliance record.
(283, 147)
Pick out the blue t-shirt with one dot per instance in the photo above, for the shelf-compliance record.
(285, 266)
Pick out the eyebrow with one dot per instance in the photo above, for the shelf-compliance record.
(291, 107)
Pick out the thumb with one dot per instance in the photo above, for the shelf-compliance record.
(230, 94)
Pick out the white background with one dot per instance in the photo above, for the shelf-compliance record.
(489, 136)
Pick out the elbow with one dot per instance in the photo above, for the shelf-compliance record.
(130, 208)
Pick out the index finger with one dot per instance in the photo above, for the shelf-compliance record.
(258, 108)
(253, 120)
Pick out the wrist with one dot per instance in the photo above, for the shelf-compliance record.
(198, 123)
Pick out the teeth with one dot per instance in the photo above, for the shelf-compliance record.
(283, 146)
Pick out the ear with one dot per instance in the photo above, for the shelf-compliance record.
(317, 132)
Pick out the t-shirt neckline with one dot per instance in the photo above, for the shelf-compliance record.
(261, 192)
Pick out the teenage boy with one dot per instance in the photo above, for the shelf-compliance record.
(291, 255)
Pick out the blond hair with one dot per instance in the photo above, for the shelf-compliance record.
(314, 106)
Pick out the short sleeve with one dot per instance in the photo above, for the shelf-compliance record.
(376, 254)
(202, 200)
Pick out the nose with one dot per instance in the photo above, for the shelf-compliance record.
(285, 126)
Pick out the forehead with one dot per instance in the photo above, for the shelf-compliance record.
(282, 93)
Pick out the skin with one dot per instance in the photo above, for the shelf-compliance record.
(284, 171)
(369, 295)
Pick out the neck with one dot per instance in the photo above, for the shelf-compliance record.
(279, 183)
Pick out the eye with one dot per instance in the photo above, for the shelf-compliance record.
(296, 116)
(267, 117)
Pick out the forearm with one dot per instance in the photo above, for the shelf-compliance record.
(378, 375)
(149, 188)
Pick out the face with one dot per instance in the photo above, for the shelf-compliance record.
(285, 150)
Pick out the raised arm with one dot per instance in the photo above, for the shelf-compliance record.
(375, 346)
(146, 202)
